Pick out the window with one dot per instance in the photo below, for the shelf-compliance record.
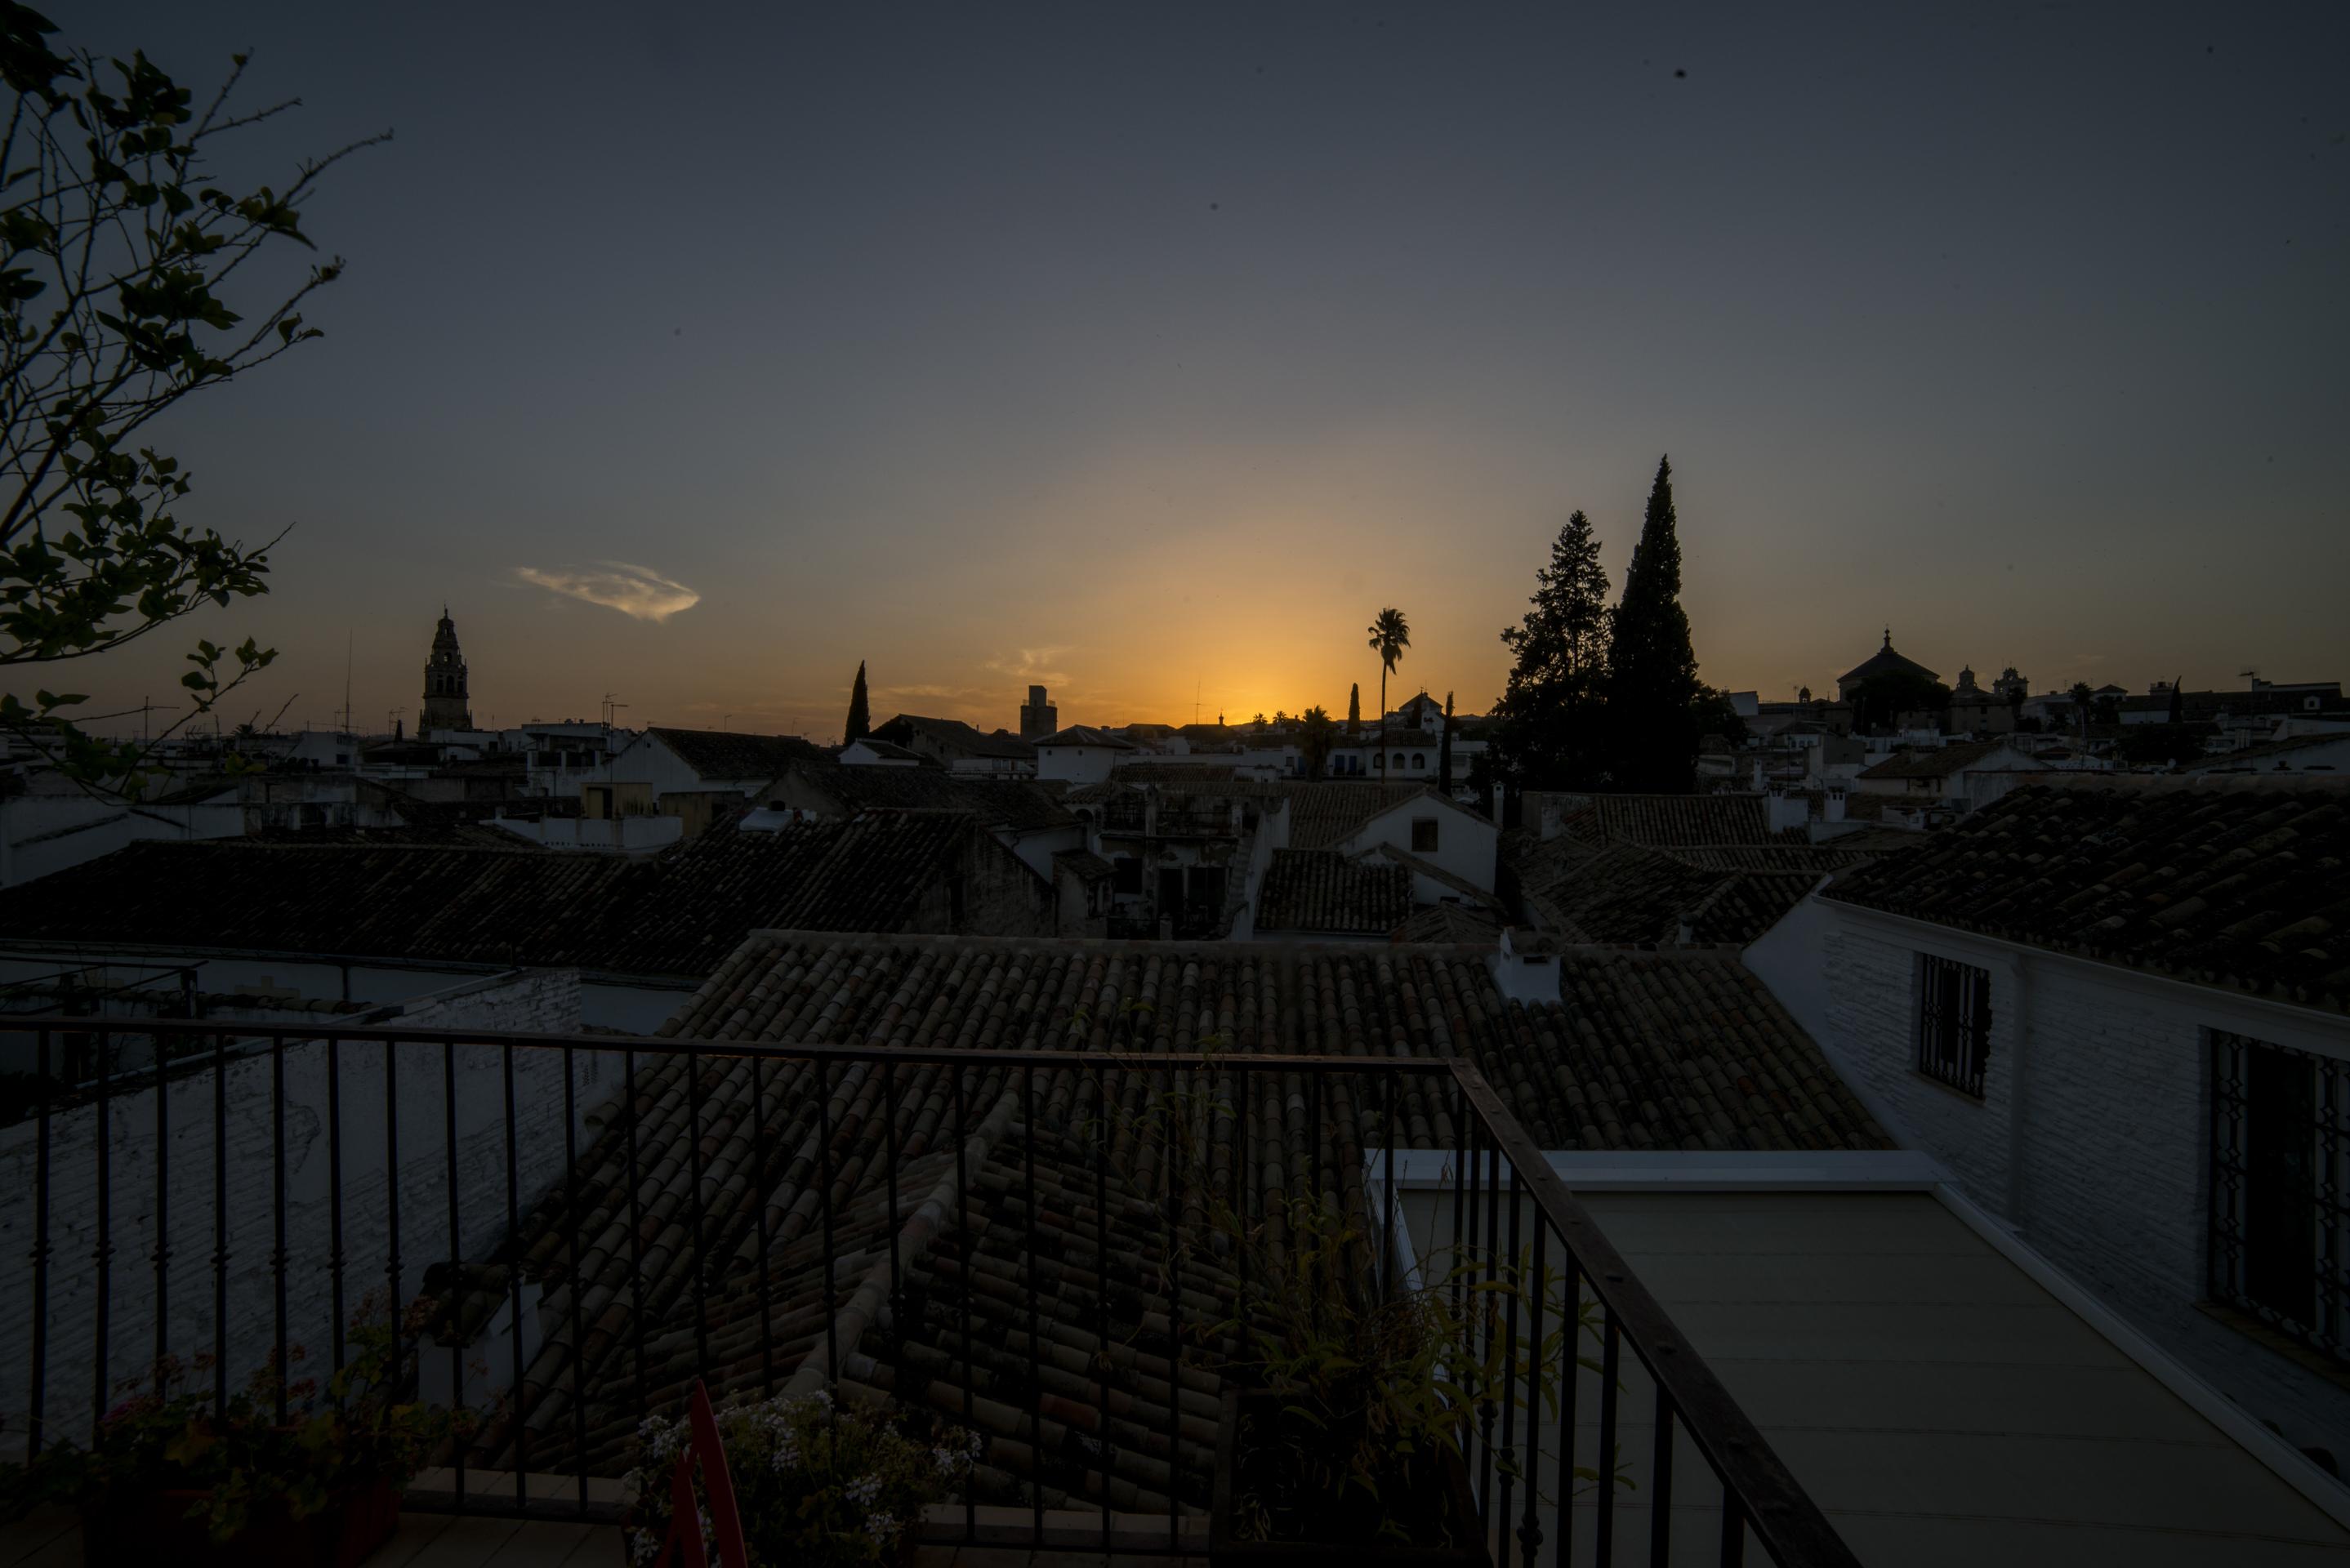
(1954, 1023)
(1418, 761)
(1423, 835)
(2280, 1144)
(1126, 874)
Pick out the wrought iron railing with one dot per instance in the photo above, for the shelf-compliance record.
(1026, 1243)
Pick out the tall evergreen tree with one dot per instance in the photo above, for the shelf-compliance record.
(1652, 672)
(860, 715)
(1354, 706)
(1444, 753)
(1551, 712)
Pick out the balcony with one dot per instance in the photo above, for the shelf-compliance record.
(1004, 1242)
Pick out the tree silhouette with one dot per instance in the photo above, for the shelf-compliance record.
(860, 714)
(1390, 636)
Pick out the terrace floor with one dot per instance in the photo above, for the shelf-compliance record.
(449, 1541)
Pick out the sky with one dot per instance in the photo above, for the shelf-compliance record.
(694, 354)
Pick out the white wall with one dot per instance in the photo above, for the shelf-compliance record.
(1079, 764)
(545, 1000)
(2093, 1135)
(40, 833)
(1465, 845)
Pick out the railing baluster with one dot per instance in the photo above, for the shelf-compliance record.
(1486, 1315)
(391, 1203)
(1028, 1228)
(1733, 1530)
(103, 1237)
(1175, 1165)
(163, 1255)
(1660, 1486)
(456, 1260)
(579, 1284)
(698, 1219)
(1570, 1374)
(1516, 1281)
(220, 1222)
(1101, 1286)
(831, 1302)
(37, 1375)
(1603, 1541)
(970, 1250)
(1388, 1250)
(1530, 1529)
(759, 1229)
(277, 1227)
(514, 1285)
(334, 1194)
(889, 1138)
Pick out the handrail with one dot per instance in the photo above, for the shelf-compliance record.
(1789, 1522)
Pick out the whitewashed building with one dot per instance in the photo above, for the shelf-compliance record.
(2118, 1011)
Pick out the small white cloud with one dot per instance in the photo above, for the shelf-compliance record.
(638, 591)
(1036, 664)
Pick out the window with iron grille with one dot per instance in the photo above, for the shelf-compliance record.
(1954, 1023)
(2280, 1157)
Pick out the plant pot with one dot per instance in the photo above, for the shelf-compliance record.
(1456, 1504)
(156, 1529)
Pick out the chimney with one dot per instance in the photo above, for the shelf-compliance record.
(1833, 811)
(1523, 977)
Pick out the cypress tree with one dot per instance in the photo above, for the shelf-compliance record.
(861, 716)
(1652, 672)
(1354, 706)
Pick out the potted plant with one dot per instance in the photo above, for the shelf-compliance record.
(1348, 1410)
(170, 1475)
(816, 1484)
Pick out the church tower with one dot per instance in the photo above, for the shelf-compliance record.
(444, 683)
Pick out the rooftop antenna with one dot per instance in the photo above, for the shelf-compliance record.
(350, 641)
(1195, 700)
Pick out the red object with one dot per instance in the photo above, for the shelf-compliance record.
(684, 1542)
(157, 1530)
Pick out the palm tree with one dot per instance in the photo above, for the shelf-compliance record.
(2083, 698)
(1390, 638)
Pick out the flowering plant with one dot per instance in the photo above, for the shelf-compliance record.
(169, 1433)
(818, 1484)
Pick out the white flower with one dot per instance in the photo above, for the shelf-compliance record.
(863, 1489)
(881, 1527)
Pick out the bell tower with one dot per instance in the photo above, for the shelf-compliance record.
(445, 706)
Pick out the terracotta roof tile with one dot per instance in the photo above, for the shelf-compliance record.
(2247, 889)
(1322, 891)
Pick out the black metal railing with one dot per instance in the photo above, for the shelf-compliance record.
(1062, 1251)
(1954, 1023)
(2279, 1181)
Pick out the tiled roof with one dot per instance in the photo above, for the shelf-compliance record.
(1324, 813)
(2251, 757)
(1449, 923)
(674, 914)
(1664, 821)
(1646, 1052)
(1833, 854)
(1934, 762)
(889, 750)
(1630, 894)
(1014, 804)
(726, 754)
(1087, 735)
(2246, 888)
(1885, 661)
(1185, 773)
(1082, 864)
(963, 737)
(1322, 891)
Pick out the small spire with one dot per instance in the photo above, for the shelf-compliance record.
(1888, 636)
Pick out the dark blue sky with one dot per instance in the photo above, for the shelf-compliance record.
(1154, 350)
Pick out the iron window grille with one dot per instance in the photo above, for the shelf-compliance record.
(1954, 1023)
(1423, 835)
(2280, 1156)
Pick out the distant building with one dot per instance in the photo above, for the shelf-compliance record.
(446, 706)
(1975, 712)
(1038, 717)
(1883, 661)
